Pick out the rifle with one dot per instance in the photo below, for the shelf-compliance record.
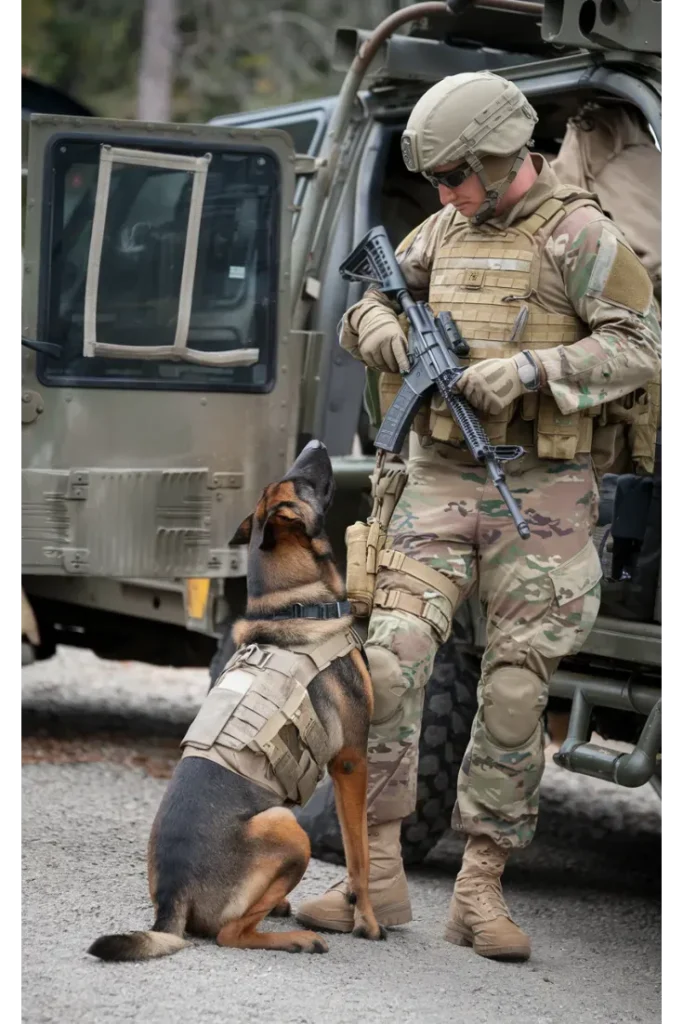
(434, 346)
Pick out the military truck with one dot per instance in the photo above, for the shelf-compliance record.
(181, 298)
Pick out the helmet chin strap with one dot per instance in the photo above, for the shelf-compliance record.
(495, 190)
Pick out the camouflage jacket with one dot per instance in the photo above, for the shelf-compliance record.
(587, 261)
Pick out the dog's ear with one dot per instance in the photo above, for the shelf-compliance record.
(267, 538)
(243, 531)
(282, 517)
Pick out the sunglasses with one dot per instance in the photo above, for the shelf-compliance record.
(451, 179)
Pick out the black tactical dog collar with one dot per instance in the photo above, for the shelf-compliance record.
(330, 610)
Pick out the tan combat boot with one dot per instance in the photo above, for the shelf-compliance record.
(388, 888)
(479, 916)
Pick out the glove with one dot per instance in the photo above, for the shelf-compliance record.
(371, 331)
(493, 384)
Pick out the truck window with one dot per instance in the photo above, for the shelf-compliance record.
(303, 132)
(306, 128)
(141, 265)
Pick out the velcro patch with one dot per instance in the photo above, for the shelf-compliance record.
(619, 277)
(628, 283)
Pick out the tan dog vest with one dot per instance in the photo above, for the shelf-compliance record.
(258, 720)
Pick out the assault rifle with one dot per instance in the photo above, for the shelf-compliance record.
(434, 346)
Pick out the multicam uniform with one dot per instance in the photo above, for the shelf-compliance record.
(564, 344)
(554, 276)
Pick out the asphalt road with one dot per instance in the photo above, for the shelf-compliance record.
(587, 890)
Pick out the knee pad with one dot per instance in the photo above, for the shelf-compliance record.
(400, 650)
(513, 702)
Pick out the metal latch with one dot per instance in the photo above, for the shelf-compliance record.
(228, 481)
(77, 485)
(307, 165)
(75, 560)
(31, 406)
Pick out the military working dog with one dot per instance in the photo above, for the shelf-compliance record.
(225, 849)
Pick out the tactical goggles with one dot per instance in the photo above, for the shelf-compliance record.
(451, 179)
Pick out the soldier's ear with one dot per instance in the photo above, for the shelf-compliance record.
(243, 531)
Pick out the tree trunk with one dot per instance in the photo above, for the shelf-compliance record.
(158, 51)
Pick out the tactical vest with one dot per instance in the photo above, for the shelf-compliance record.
(258, 720)
(487, 278)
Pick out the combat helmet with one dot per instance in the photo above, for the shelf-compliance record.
(476, 117)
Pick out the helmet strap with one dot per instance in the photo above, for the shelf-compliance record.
(495, 190)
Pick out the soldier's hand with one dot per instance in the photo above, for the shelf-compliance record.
(492, 384)
(381, 341)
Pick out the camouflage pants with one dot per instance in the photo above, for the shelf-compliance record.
(540, 598)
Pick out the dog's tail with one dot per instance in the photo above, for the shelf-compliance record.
(165, 937)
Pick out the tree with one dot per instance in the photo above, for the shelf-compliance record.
(160, 45)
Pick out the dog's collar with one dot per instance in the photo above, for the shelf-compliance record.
(329, 610)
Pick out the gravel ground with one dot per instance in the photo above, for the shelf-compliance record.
(588, 890)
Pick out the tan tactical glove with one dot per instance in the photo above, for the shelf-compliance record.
(371, 331)
(493, 384)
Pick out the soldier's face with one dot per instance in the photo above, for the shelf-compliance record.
(466, 197)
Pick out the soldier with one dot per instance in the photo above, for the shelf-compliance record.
(558, 313)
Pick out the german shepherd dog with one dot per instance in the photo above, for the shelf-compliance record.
(223, 851)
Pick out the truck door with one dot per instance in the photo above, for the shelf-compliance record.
(159, 383)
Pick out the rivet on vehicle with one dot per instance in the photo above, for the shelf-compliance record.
(202, 401)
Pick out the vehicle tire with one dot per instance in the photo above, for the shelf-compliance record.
(450, 706)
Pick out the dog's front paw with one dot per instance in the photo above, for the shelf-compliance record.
(365, 929)
(306, 942)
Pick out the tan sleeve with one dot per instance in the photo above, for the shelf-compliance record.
(611, 292)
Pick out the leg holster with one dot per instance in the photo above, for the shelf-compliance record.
(365, 541)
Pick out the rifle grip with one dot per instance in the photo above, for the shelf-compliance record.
(395, 425)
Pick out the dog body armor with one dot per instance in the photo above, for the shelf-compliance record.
(259, 721)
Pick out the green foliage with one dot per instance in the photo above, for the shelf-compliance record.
(231, 54)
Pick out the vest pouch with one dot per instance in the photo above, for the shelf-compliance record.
(642, 433)
(360, 583)
(529, 406)
(371, 397)
(626, 433)
(212, 718)
(609, 450)
(443, 427)
(389, 386)
(557, 435)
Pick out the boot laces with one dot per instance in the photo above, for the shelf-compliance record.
(490, 895)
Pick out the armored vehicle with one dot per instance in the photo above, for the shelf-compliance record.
(181, 297)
